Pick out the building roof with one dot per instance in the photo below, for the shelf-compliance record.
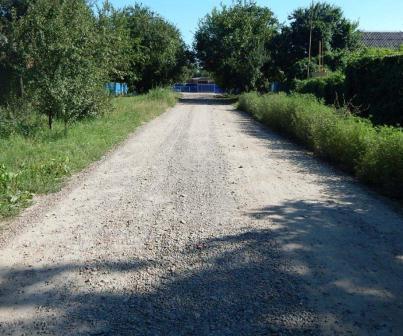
(390, 40)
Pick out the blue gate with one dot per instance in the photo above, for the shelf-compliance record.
(117, 89)
(195, 88)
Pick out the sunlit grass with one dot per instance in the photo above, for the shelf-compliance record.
(43, 161)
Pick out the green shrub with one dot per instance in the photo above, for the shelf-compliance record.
(330, 88)
(6, 126)
(375, 84)
(19, 117)
(343, 139)
(11, 197)
(162, 94)
(382, 163)
(374, 154)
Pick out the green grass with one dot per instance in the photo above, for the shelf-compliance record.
(40, 163)
(373, 154)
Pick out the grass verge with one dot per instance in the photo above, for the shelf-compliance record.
(373, 154)
(39, 164)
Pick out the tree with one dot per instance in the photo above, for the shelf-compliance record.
(10, 58)
(58, 46)
(158, 53)
(231, 43)
(12, 8)
(329, 26)
(114, 42)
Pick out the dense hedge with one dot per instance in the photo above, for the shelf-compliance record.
(330, 88)
(375, 84)
(373, 154)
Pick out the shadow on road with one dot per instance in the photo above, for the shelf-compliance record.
(206, 99)
(349, 245)
(244, 286)
(241, 292)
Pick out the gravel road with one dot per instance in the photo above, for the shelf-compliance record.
(205, 223)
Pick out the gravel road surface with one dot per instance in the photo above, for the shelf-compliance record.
(205, 223)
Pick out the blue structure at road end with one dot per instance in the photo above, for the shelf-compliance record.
(212, 88)
(117, 89)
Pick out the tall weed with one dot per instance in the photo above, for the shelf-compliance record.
(373, 154)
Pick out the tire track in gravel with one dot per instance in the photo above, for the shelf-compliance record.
(205, 223)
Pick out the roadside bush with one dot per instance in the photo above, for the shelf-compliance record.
(17, 188)
(162, 94)
(19, 117)
(374, 154)
(299, 70)
(11, 197)
(375, 84)
(5, 123)
(382, 163)
(330, 88)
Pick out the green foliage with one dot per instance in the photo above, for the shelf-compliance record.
(163, 95)
(374, 154)
(382, 163)
(231, 43)
(6, 125)
(18, 117)
(43, 160)
(57, 55)
(375, 84)
(11, 55)
(55, 58)
(242, 48)
(329, 25)
(158, 55)
(58, 42)
(371, 52)
(300, 69)
(113, 43)
(330, 88)
(11, 197)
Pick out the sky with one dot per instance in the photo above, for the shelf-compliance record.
(372, 15)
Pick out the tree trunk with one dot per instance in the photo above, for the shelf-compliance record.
(65, 127)
(50, 120)
(21, 84)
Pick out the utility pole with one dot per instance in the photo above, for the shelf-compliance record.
(320, 56)
(310, 41)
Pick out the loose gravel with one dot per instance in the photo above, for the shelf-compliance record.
(205, 223)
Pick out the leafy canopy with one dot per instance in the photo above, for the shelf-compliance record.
(158, 53)
(337, 34)
(231, 44)
(59, 57)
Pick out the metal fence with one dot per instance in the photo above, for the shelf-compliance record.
(117, 89)
(195, 88)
